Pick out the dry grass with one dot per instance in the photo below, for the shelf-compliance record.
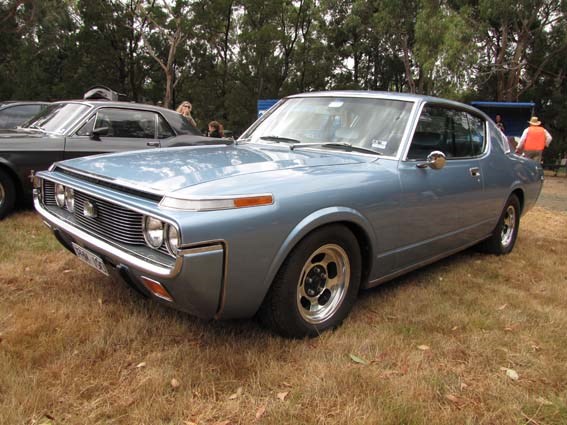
(76, 348)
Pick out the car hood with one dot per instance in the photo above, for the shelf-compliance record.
(167, 170)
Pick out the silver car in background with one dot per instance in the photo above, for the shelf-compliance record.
(326, 194)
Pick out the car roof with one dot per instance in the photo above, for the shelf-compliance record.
(170, 115)
(408, 97)
(117, 104)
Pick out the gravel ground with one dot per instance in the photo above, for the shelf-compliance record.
(554, 193)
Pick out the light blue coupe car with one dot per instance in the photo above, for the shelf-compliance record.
(324, 195)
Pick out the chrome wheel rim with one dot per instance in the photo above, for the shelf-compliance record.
(323, 283)
(2, 194)
(508, 226)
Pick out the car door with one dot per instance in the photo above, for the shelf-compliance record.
(114, 129)
(439, 207)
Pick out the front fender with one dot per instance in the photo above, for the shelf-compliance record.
(311, 222)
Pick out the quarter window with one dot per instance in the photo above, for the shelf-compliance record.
(87, 128)
(498, 138)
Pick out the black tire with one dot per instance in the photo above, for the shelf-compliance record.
(7, 194)
(316, 285)
(505, 233)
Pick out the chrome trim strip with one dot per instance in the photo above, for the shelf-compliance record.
(200, 249)
(169, 202)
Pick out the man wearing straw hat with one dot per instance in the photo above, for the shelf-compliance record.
(534, 140)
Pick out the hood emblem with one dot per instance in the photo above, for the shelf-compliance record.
(89, 209)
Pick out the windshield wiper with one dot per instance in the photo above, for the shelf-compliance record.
(280, 139)
(333, 145)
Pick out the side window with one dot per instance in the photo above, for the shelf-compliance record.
(164, 130)
(460, 137)
(431, 133)
(455, 133)
(127, 123)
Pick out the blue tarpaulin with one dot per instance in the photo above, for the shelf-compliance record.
(515, 115)
(265, 104)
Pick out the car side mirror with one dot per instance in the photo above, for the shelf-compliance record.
(435, 160)
(97, 132)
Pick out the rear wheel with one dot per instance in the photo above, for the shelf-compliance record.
(7, 194)
(505, 233)
(316, 286)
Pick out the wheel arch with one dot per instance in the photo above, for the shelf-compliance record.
(520, 195)
(350, 218)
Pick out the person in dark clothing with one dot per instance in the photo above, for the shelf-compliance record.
(499, 123)
(215, 129)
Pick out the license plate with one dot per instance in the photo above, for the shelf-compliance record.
(91, 259)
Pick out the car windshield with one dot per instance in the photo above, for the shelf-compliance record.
(374, 124)
(57, 118)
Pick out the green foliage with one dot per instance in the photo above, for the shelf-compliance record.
(224, 55)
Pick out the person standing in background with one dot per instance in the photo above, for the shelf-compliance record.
(215, 129)
(499, 123)
(185, 109)
(534, 140)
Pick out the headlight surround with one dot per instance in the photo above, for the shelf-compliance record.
(60, 195)
(172, 240)
(70, 199)
(153, 232)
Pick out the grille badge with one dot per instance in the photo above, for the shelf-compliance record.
(89, 209)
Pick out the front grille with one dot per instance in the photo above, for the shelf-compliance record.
(112, 222)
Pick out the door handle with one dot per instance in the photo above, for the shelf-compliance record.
(475, 171)
(152, 144)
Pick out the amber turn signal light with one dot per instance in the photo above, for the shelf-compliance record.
(253, 201)
(157, 289)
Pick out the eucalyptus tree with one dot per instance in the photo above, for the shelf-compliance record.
(507, 33)
(166, 28)
(37, 38)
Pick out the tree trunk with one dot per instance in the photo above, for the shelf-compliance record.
(407, 65)
(168, 88)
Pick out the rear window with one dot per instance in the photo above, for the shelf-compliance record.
(180, 124)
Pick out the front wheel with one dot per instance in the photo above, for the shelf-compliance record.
(505, 233)
(316, 286)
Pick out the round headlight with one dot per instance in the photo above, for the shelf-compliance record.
(153, 232)
(70, 199)
(172, 239)
(60, 195)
